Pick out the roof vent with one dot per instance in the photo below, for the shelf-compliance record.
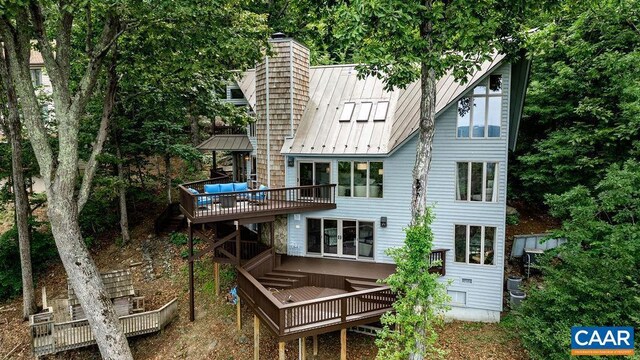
(279, 35)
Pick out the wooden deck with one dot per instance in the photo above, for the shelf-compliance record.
(208, 208)
(336, 267)
(49, 337)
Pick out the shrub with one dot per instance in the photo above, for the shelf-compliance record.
(592, 280)
(43, 249)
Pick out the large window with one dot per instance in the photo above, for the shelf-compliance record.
(36, 77)
(340, 237)
(475, 244)
(360, 178)
(476, 181)
(479, 114)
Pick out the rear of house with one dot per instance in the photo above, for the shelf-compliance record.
(321, 125)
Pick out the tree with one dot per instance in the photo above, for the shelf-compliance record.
(59, 167)
(591, 280)
(583, 105)
(402, 41)
(12, 126)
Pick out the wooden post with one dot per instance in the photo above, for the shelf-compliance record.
(238, 252)
(302, 349)
(343, 344)
(281, 350)
(216, 278)
(256, 337)
(272, 226)
(192, 310)
(315, 345)
(238, 315)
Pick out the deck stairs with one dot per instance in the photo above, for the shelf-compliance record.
(282, 280)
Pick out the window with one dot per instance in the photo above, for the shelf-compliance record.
(360, 178)
(365, 110)
(252, 129)
(36, 77)
(479, 115)
(476, 181)
(381, 111)
(235, 93)
(347, 111)
(475, 244)
(341, 237)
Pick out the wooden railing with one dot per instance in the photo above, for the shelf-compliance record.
(229, 130)
(49, 337)
(438, 261)
(269, 201)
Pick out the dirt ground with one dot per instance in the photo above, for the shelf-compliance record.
(160, 275)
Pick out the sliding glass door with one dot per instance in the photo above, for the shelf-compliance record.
(314, 173)
(340, 238)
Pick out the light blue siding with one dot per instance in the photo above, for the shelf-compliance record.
(485, 290)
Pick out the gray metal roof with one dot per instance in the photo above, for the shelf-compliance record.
(330, 87)
(226, 143)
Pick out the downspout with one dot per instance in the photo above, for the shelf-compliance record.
(291, 88)
(268, 121)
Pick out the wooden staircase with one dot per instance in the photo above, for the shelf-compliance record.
(282, 280)
(170, 220)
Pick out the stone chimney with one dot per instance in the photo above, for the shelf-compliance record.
(282, 92)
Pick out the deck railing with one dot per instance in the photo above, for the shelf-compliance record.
(297, 318)
(438, 261)
(229, 130)
(50, 337)
(269, 201)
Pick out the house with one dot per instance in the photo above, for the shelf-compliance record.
(338, 153)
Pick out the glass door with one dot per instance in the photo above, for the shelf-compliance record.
(348, 238)
(314, 173)
(331, 237)
(340, 238)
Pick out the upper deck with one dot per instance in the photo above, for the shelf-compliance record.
(206, 208)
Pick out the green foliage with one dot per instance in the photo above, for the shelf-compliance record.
(396, 37)
(43, 249)
(513, 219)
(592, 280)
(421, 298)
(178, 239)
(582, 110)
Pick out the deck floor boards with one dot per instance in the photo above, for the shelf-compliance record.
(341, 267)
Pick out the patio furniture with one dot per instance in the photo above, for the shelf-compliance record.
(228, 201)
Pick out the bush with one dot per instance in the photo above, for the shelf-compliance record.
(592, 280)
(43, 249)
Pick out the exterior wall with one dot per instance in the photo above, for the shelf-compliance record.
(477, 289)
(289, 65)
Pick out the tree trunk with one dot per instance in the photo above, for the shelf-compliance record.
(195, 130)
(422, 165)
(167, 176)
(85, 278)
(21, 199)
(124, 217)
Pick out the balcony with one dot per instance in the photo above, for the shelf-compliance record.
(252, 203)
(229, 130)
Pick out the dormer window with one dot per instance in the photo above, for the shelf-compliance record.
(381, 111)
(347, 111)
(365, 110)
(480, 114)
(235, 94)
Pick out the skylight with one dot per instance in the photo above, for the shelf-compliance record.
(381, 111)
(365, 110)
(347, 111)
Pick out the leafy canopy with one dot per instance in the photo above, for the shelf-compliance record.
(592, 280)
(394, 37)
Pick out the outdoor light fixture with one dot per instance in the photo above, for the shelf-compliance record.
(290, 161)
(383, 222)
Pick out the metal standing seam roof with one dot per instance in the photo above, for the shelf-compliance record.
(330, 87)
(226, 143)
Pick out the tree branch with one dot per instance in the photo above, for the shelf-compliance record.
(107, 111)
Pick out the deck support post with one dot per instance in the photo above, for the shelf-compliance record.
(302, 348)
(256, 337)
(192, 315)
(281, 350)
(216, 277)
(315, 345)
(343, 344)
(272, 226)
(238, 316)
(238, 252)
